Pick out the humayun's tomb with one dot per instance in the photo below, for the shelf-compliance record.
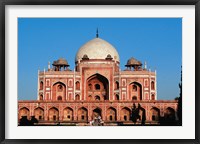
(97, 89)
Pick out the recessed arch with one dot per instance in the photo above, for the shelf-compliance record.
(59, 98)
(24, 112)
(77, 85)
(125, 114)
(135, 89)
(97, 84)
(58, 89)
(116, 97)
(39, 113)
(116, 85)
(77, 97)
(68, 114)
(97, 98)
(111, 114)
(152, 85)
(154, 114)
(41, 97)
(41, 85)
(82, 114)
(169, 114)
(53, 114)
(96, 113)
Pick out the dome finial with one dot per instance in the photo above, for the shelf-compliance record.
(97, 33)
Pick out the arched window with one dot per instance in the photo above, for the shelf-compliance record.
(41, 97)
(152, 85)
(60, 88)
(152, 97)
(116, 85)
(77, 97)
(77, 85)
(97, 86)
(134, 98)
(134, 88)
(41, 85)
(97, 97)
(116, 97)
(89, 97)
(59, 98)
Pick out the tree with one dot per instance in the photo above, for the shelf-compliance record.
(179, 109)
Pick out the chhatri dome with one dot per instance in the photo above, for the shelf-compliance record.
(97, 48)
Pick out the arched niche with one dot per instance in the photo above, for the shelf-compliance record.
(68, 114)
(53, 114)
(111, 114)
(135, 90)
(58, 90)
(39, 113)
(97, 85)
(125, 114)
(82, 114)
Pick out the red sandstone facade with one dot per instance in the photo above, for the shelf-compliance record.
(96, 86)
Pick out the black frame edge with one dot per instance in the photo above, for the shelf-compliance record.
(101, 2)
(2, 73)
(197, 59)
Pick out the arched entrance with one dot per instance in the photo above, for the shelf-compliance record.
(39, 113)
(135, 91)
(97, 85)
(96, 113)
(154, 114)
(169, 114)
(111, 114)
(125, 114)
(53, 114)
(68, 114)
(24, 112)
(59, 91)
(83, 114)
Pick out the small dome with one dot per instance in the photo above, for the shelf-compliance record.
(97, 49)
(85, 57)
(61, 61)
(109, 57)
(133, 62)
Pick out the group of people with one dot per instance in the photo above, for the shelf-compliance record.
(97, 121)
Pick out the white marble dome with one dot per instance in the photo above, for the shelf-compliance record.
(97, 49)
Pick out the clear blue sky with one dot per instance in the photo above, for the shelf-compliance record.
(158, 41)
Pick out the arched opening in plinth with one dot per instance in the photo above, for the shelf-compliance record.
(125, 114)
(24, 112)
(97, 85)
(96, 113)
(41, 97)
(155, 114)
(142, 113)
(169, 114)
(111, 114)
(116, 97)
(68, 114)
(59, 91)
(53, 114)
(135, 91)
(82, 114)
(39, 113)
